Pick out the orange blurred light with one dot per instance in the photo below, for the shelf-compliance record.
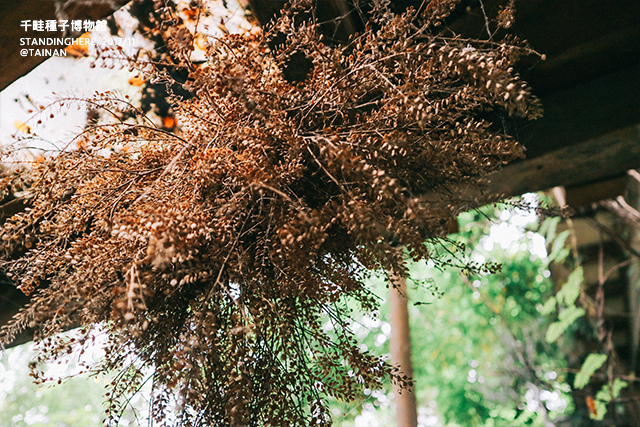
(80, 46)
(169, 122)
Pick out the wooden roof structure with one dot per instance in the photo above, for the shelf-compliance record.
(589, 85)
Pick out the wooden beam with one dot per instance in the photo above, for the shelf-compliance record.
(14, 65)
(582, 196)
(597, 159)
(580, 113)
(11, 301)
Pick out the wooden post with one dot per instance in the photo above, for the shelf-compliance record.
(406, 408)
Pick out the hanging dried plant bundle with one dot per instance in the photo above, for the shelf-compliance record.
(217, 255)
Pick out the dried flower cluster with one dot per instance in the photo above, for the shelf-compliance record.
(216, 255)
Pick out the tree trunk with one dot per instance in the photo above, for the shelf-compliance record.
(406, 408)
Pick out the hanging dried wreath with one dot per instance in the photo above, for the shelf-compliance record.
(215, 254)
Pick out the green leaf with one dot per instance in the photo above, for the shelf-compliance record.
(558, 251)
(592, 363)
(604, 394)
(618, 385)
(569, 315)
(601, 411)
(554, 331)
(566, 318)
(604, 397)
(571, 290)
(549, 306)
(548, 228)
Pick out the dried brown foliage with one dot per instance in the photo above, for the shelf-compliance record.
(215, 254)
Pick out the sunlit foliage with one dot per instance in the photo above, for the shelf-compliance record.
(478, 342)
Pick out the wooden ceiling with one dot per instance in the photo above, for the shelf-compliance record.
(12, 64)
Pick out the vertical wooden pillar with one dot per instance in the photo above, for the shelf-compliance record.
(406, 408)
(634, 275)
